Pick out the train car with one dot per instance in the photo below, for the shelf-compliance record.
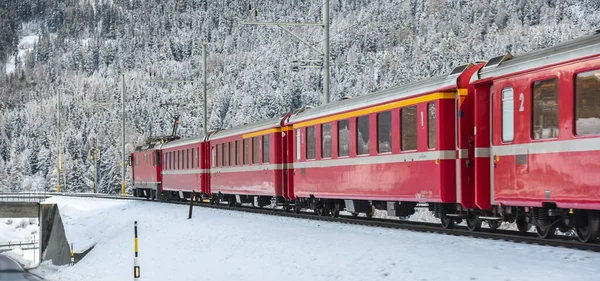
(538, 138)
(146, 171)
(388, 150)
(247, 163)
(184, 168)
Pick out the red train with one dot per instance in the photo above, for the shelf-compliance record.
(512, 139)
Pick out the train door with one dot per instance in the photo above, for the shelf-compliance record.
(483, 134)
(464, 148)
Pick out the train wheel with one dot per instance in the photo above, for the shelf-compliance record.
(354, 214)
(371, 213)
(522, 224)
(545, 231)
(335, 211)
(286, 208)
(447, 222)
(320, 211)
(473, 223)
(588, 226)
(494, 224)
(297, 209)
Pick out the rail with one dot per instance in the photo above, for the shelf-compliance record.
(37, 197)
(505, 235)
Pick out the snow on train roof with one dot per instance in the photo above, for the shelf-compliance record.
(565, 51)
(181, 142)
(248, 128)
(398, 92)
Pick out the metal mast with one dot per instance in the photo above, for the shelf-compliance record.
(123, 138)
(204, 87)
(58, 160)
(326, 51)
(325, 25)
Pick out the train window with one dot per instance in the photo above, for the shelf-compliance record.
(409, 128)
(298, 144)
(255, 147)
(246, 151)
(587, 103)
(431, 125)
(212, 152)
(181, 158)
(343, 138)
(545, 109)
(194, 158)
(362, 135)
(218, 155)
(326, 140)
(224, 158)
(186, 158)
(237, 152)
(508, 115)
(384, 132)
(311, 143)
(265, 151)
(137, 160)
(231, 154)
(157, 155)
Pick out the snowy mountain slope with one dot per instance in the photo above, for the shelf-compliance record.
(84, 48)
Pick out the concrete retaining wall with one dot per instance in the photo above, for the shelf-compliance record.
(54, 245)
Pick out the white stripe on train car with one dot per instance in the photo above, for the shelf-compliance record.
(482, 152)
(380, 159)
(184, 172)
(463, 153)
(578, 145)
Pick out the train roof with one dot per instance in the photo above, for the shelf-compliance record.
(247, 128)
(404, 91)
(565, 51)
(182, 142)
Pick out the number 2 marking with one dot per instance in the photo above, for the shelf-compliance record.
(522, 99)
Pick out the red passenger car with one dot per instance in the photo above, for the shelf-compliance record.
(542, 165)
(391, 149)
(184, 171)
(146, 171)
(247, 163)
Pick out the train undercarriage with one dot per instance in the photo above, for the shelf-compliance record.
(585, 224)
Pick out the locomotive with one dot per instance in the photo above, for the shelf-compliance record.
(512, 139)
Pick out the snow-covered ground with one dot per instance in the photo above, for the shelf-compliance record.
(20, 230)
(14, 230)
(229, 245)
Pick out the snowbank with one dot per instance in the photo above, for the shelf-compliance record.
(229, 245)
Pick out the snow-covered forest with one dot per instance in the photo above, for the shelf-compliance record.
(84, 48)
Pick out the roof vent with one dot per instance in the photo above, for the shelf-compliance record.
(346, 97)
(494, 62)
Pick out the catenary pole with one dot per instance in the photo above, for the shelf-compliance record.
(325, 25)
(58, 160)
(123, 138)
(326, 51)
(204, 121)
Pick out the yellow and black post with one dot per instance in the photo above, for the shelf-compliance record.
(136, 264)
(72, 255)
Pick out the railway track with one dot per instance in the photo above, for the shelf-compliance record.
(503, 235)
